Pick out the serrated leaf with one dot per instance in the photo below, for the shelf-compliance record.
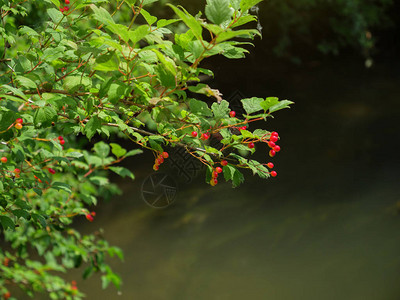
(247, 4)
(139, 33)
(55, 15)
(281, 105)
(107, 62)
(149, 18)
(200, 108)
(220, 110)
(44, 116)
(232, 173)
(26, 82)
(189, 20)
(268, 102)
(252, 105)
(134, 152)
(123, 172)
(102, 149)
(218, 11)
(92, 126)
(243, 33)
(117, 150)
(7, 222)
(102, 15)
(61, 186)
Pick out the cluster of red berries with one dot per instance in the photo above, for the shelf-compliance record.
(90, 217)
(274, 147)
(65, 8)
(18, 123)
(214, 176)
(61, 139)
(159, 160)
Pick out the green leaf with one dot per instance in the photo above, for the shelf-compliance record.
(139, 33)
(218, 11)
(102, 149)
(92, 126)
(200, 108)
(44, 116)
(232, 173)
(281, 105)
(189, 20)
(247, 4)
(252, 105)
(102, 15)
(117, 150)
(162, 23)
(149, 18)
(134, 152)
(123, 172)
(220, 110)
(7, 222)
(55, 15)
(61, 186)
(26, 82)
(244, 33)
(15, 91)
(73, 83)
(107, 62)
(268, 102)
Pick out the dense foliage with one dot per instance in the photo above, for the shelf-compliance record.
(75, 69)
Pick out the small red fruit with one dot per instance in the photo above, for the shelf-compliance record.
(93, 213)
(271, 144)
(3, 159)
(62, 9)
(232, 114)
(17, 171)
(272, 153)
(73, 282)
(251, 145)
(204, 136)
(194, 133)
(159, 160)
(62, 142)
(277, 148)
(52, 171)
(273, 138)
(6, 261)
(18, 126)
(165, 154)
(66, 8)
(224, 162)
(156, 167)
(60, 138)
(67, 2)
(270, 165)
(218, 170)
(89, 217)
(274, 133)
(273, 173)
(214, 174)
(19, 120)
(243, 128)
(7, 295)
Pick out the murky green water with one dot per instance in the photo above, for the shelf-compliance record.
(326, 228)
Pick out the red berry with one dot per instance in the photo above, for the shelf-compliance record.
(18, 126)
(270, 165)
(277, 148)
(156, 167)
(60, 138)
(52, 171)
(62, 9)
(224, 162)
(194, 133)
(6, 261)
(243, 128)
(67, 2)
(89, 217)
(7, 295)
(232, 114)
(218, 169)
(271, 144)
(66, 8)
(93, 213)
(73, 282)
(273, 173)
(205, 136)
(251, 145)
(273, 138)
(3, 159)
(17, 171)
(19, 120)
(272, 153)
(165, 154)
(62, 142)
(214, 174)
(274, 133)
